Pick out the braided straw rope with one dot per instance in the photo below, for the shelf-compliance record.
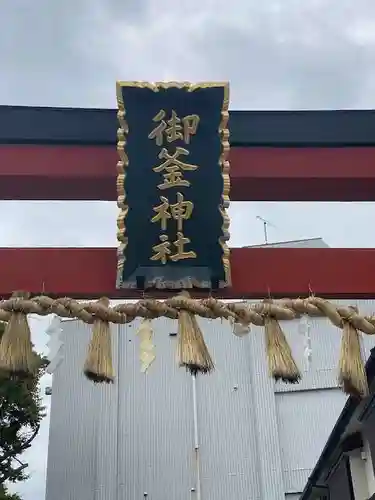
(16, 347)
(240, 312)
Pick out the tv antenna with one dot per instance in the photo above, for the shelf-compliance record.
(266, 224)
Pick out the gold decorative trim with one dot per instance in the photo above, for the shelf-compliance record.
(123, 163)
(225, 172)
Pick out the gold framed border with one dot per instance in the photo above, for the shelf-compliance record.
(123, 164)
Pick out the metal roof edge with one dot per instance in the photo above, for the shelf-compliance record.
(296, 242)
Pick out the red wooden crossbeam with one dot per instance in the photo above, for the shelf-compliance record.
(296, 156)
(256, 272)
(262, 174)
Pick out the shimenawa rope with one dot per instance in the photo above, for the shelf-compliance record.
(192, 350)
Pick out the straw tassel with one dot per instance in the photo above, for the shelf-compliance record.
(352, 374)
(16, 350)
(192, 352)
(281, 364)
(98, 365)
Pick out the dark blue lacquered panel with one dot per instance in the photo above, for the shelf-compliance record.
(173, 144)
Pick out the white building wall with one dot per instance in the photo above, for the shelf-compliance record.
(258, 440)
(135, 440)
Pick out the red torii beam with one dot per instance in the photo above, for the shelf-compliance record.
(258, 174)
(89, 272)
(70, 154)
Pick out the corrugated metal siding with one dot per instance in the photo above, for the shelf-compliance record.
(226, 419)
(258, 439)
(321, 372)
(137, 436)
(325, 344)
(83, 424)
(305, 422)
(268, 450)
(155, 429)
(156, 452)
(308, 411)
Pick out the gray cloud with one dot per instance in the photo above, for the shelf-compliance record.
(294, 55)
(289, 54)
(46, 49)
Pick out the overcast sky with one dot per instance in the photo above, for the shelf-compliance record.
(279, 54)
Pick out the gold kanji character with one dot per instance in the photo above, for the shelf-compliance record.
(180, 244)
(158, 131)
(162, 250)
(172, 128)
(174, 168)
(181, 210)
(190, 124)
(162, 213)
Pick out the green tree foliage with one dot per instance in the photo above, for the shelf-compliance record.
(21, 412)
(5, 495)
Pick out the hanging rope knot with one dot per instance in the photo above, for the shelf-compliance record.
(18, 304)
(281, 364)
(352, 374)
(16, 350)
(192, 352)
(98, 365)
